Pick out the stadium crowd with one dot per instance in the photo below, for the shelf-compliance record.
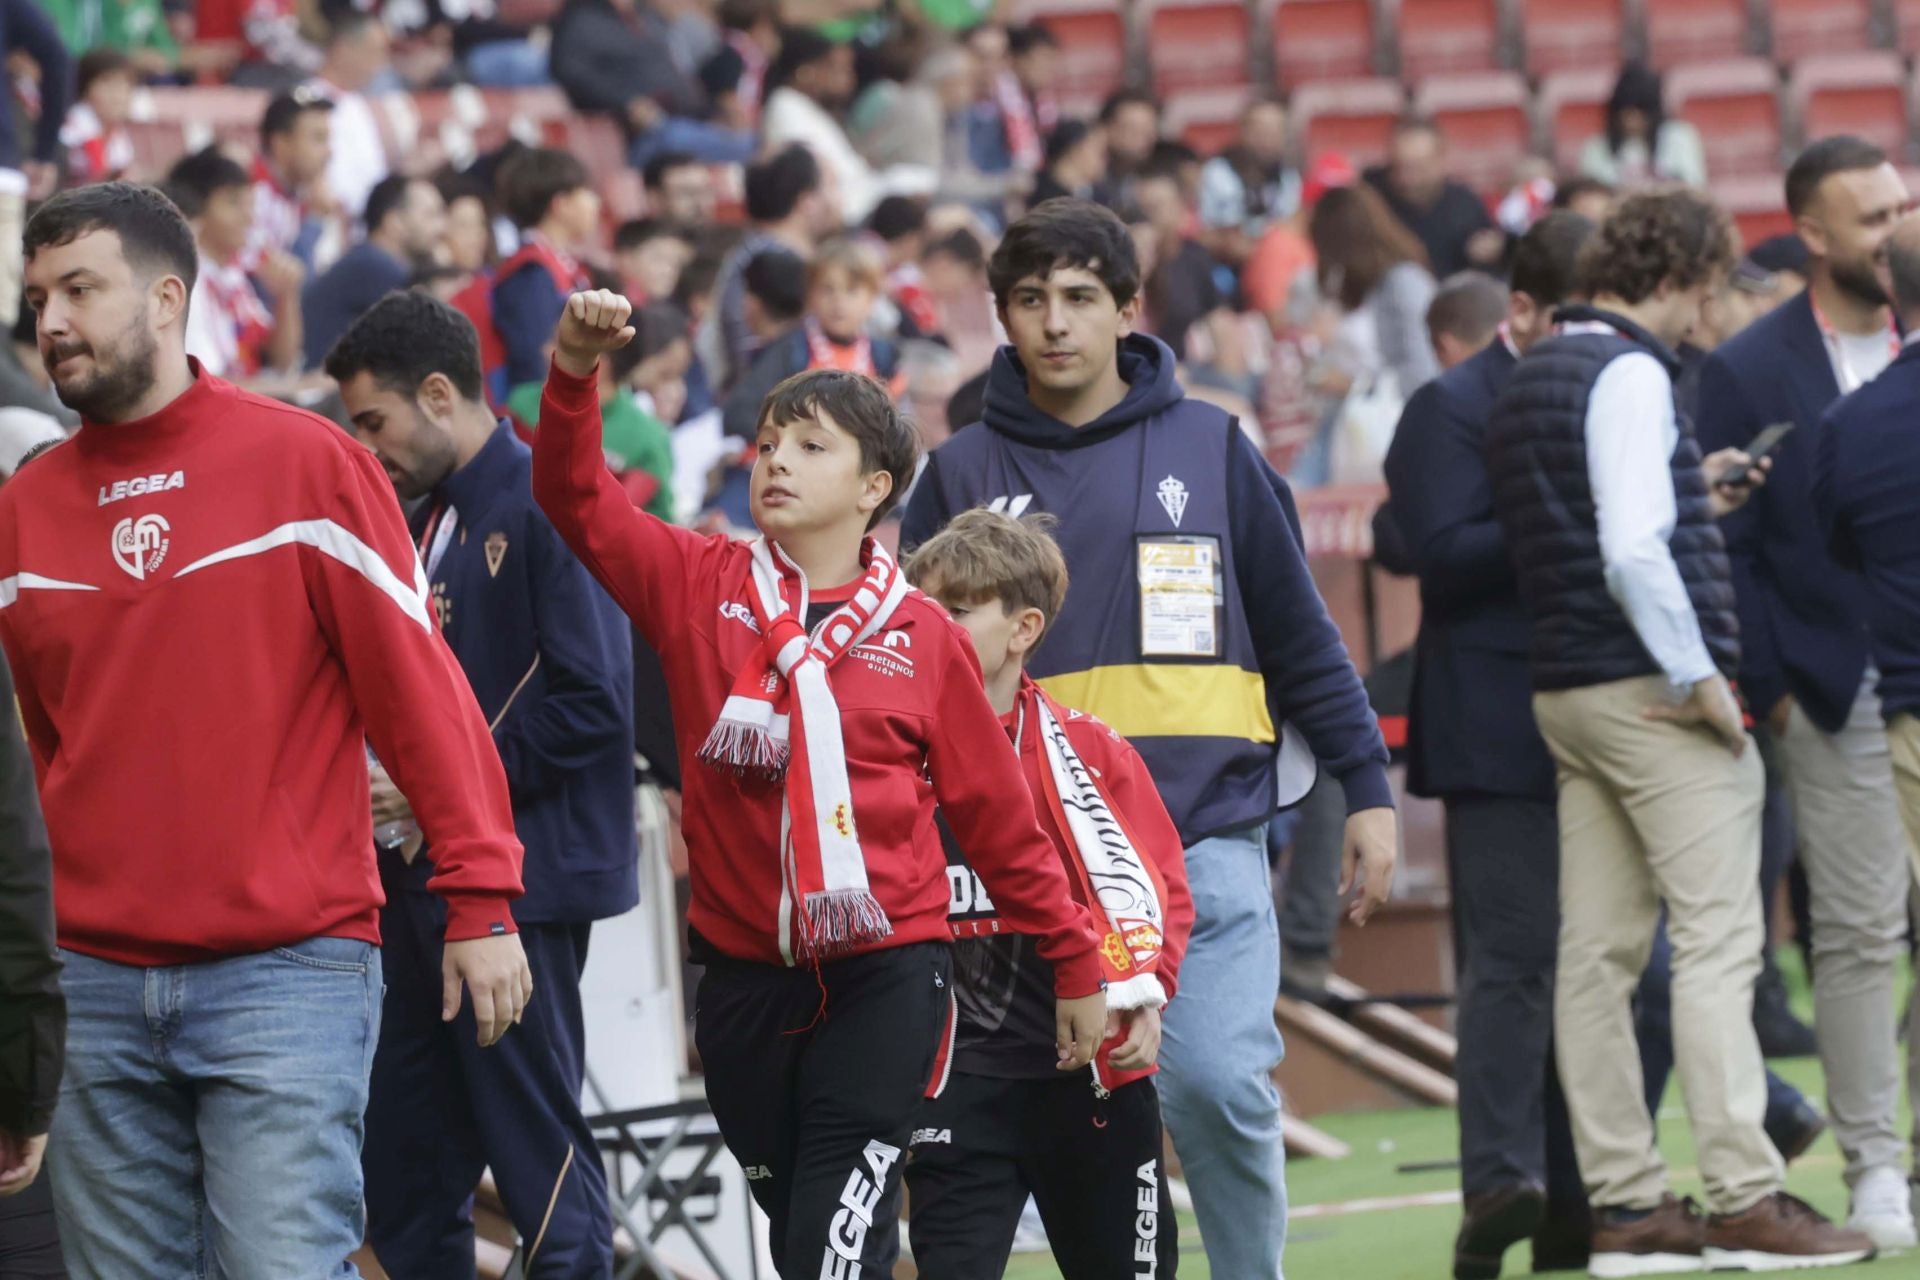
(860, 285)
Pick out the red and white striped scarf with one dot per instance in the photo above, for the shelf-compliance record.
(753, 79)
(824, 352)
(1023, 123)
(781, 722)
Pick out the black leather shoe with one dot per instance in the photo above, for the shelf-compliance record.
(1495, 1221)
(1564, 1241)
(1781, 1035)
(1800, 1130)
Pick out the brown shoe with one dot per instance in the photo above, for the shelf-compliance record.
(1664, 1242)
(1781, 1233)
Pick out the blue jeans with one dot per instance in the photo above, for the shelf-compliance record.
(508, 64)
(211, 1115)
(705, 142)
(1217, 1057)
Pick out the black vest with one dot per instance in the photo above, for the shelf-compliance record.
(1537, 458)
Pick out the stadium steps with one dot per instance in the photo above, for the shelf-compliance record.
(1393, 1025)
(1335, 1065)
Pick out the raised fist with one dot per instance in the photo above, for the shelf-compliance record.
(593, 323)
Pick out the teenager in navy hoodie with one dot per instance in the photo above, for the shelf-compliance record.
(1196, 632)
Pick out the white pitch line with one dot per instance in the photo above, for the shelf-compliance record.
(1339, 1209)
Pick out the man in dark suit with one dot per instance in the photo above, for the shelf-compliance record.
(1805, 668)
(1473, 743)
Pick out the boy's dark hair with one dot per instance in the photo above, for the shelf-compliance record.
(1469, 306)
(1066, 135)
(664, 163)
(388, 195)
(1568, 190)
(428, 276)
(635, 232)
(345, 22)
(863, 409)
(987, 555)
(1124, 98)
(962, 246)
(745, 15)
(1025, 39)
(1842, 153)
(195, 178)
(699, 276)
(1066, 233)
(1172, 155)
(531, 181)
(405, 338)
(154, 236)
(1546, 259)
(799, 47)
(897, 217)
(278, 119)
(98, 62)
(460, 186)
(1678, 235)
(656, 326)
(776, 185)
(777, 279)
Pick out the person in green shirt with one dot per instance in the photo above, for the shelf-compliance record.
(642, 389)
(137, 28)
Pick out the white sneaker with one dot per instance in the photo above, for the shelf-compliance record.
(1883, 1209)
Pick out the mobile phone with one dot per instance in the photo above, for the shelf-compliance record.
(1763, 444)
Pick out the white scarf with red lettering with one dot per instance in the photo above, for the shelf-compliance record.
(1021, 117)
(782, 723)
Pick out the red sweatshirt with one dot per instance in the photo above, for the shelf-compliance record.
(914, 715)
(209, 613)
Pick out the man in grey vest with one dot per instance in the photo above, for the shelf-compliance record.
(1609, 513)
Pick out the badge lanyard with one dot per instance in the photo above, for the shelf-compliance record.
(1842, 367)
(435, 537)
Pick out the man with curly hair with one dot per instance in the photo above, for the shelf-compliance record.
(1610, 515)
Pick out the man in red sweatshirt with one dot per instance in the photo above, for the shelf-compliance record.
(822, 707)
(1087, 1148)
(212, 607)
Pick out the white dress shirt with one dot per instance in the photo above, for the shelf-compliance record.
(1631, 436)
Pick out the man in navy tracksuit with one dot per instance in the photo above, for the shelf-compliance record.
(550, 659)
(1194, 629)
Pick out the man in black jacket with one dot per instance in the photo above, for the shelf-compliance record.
(1443, 213)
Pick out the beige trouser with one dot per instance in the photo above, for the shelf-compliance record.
(1859, 863)
(1652, 811)
(13, 224)
(1903, 740)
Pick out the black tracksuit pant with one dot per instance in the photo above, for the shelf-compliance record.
(816, 1079)
(1092, 1164)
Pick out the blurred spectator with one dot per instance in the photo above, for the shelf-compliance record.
(680, 189)
(469, 242)
(813, 80)
(294, 210)
(1026, 93)
(1787, 257)
(94, 134)
(29, 168)
(551, 199)
(992, 139)
(776, 296)
(358, 51)
(843, 283)
(899, 226)
(235, 330)
(1180, 289)
(1075, 163)
(791, 203)
(1245, 188)
(1466, 311)
(1641, 146)
(664, 356)
(406, 221)
(913, 92)
(1375, 272)
(278, 53)
(1588, 197)
(137, 28)
(650, 254)
(1446, 215)
(614, 59)
(1528, 200)
(931, 374)
(24, 380)
(1130, 119)
(955, 266)
(473, 38)
(735, 77)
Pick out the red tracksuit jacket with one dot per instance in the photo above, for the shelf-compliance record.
(915, 718)
(209, 613)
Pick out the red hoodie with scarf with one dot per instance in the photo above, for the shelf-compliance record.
(914, 719)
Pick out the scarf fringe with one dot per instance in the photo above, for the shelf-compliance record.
(838, 920)
(746, 750)
(1141, 991)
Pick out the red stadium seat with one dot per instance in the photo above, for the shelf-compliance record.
(1906, 25)
(1735, 105)
(1198, 46)
(1757, 203)
(1572, 107)
(1695, 30)
(1206, 119)
(1438, 37)
(156, 145)
(1093, 47)
(1353, 117)
(1802, 27)
(1484, 120)
(1563, 35)
(528, 13)
(1864, 94)
(1322, 40)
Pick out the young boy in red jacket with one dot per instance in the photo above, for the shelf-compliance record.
(1086, 1147)
(822, 707)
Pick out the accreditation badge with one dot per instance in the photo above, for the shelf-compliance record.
(1180, 596)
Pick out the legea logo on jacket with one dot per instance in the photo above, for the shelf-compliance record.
(141, 485)
(139, 545)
